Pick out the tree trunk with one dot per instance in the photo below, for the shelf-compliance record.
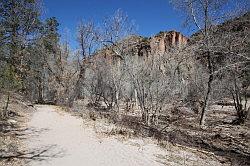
(136, 99)
(77, 86)
(40, 92)
(209, 88)
(117, 101)
(145, 117)
(156, 120)
(5, 111)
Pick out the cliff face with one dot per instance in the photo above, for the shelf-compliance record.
(164, 41)
(143, 47)
(161, 43)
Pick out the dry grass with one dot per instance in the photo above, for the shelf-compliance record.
(11, 128)
(227, 143)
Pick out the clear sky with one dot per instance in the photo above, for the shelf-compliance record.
(151, 16)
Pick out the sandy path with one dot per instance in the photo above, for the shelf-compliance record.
(72, 143)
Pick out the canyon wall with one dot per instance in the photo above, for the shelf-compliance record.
(142, 47)
(164, 41)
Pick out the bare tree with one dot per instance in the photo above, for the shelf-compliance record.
(204, 15)
(111, 39)
(158, 79)
(87, 38)
(232, 63)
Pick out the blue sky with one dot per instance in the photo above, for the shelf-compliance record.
(151, 16)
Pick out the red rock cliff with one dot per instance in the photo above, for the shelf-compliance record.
(164, 41)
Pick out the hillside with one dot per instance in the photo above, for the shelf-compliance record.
(235, 25)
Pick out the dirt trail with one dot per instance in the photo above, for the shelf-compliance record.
(67, 141)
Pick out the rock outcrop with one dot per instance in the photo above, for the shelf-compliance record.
(164, 41)
(143, 47)
(159, 44)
